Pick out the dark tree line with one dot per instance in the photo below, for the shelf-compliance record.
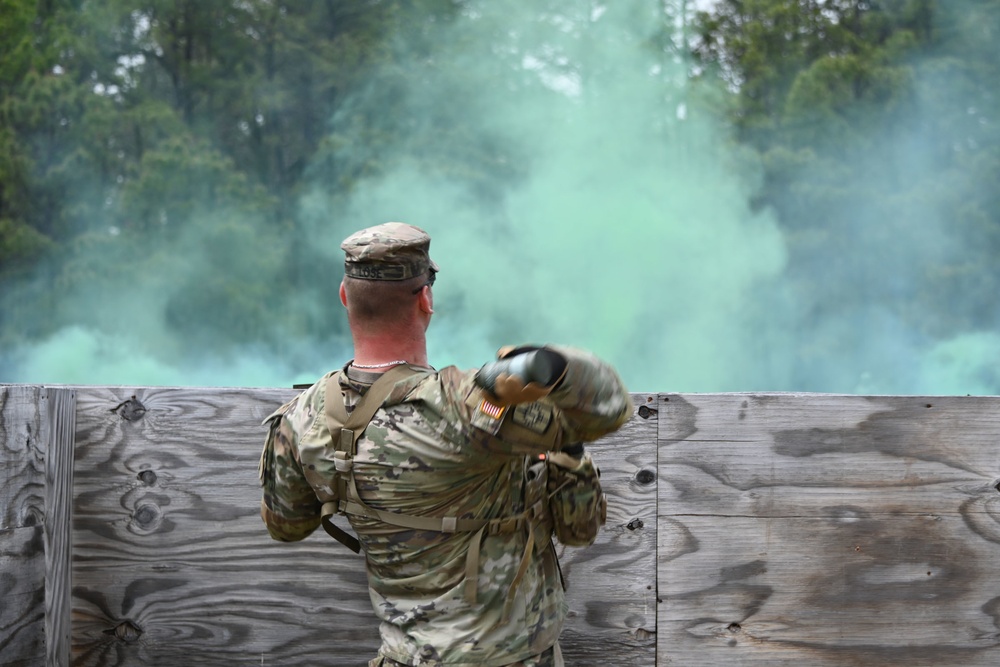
(878, 129)
(126, 124)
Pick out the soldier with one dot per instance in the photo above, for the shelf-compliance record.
(454, 481)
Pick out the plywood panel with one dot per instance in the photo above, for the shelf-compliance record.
(834, 530)
(172, 564)
(612, 584)
(22, 517)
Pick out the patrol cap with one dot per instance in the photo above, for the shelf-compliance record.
(390, 251)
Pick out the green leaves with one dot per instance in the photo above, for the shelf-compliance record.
(144, 134)
(879, 142)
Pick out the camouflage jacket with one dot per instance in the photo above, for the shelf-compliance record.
(435, 449)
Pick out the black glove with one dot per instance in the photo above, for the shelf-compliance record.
(522, 375)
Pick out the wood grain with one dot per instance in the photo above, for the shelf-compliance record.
(172, 564)
(22, 597)
(22, 457)
(834, 530)
(22, 515)
(743, 529)
(611, 585)
(60, 431)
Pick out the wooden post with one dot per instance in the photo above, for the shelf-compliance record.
(61, 404)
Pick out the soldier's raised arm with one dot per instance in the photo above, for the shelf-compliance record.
(590, 395)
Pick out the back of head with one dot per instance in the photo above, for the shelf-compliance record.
(384, 267)
(376, 303)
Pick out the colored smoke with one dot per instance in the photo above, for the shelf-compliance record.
(631, 234)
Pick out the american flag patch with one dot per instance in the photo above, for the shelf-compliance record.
(491, 409)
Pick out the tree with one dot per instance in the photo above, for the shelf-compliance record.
(129, 129)
(874, 123)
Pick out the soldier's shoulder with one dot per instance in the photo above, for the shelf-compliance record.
(435, 389)
(305, 410)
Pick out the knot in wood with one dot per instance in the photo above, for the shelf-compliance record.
(126, 631)
(147, 477)
(30, 516)
(130, 410)
(645, 476)
(634, 523)
(145, 515)
(646, 412)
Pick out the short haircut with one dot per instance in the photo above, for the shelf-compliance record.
(380, 302)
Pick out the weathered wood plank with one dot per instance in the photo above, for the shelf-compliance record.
(59, 436)
(172, 564)
(828, 530)
(611, 585)
(22, 514)
(22, 597)
(22, 457)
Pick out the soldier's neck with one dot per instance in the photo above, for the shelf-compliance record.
(379, 353)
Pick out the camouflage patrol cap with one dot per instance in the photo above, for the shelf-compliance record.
(390, 251)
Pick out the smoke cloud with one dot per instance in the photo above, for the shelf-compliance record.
(629, 231)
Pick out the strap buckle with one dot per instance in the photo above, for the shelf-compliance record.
(505, 526)
(343, 462)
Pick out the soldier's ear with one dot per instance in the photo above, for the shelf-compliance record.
(343, 294)
(426, 300)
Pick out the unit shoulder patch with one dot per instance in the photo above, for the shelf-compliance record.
(533, 416)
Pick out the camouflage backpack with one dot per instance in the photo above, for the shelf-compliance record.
(554, 484)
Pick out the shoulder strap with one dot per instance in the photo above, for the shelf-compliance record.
(345, 430)
(372, 401)
(350, 428)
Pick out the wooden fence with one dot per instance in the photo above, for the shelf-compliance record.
(743, 529)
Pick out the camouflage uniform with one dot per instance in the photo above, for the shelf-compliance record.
(438, 448)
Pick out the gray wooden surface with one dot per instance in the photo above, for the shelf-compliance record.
(59, 435)
(22, 518)
(611, 586)
(829, 530)
(743, 529)
(172, 564)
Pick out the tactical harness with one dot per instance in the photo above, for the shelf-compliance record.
(346, 429)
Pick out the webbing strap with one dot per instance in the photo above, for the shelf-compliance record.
(336, 414)
(335, 531)
(375, 396)
(529, 546)
(345, 430)
(481, 527)
(438, 524)
(472, 568)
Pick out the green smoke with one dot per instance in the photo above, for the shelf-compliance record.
(623, 223)
(630, 234)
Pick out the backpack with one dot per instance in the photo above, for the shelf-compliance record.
(347, 428)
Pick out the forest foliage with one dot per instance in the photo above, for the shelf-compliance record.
(125, 125)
